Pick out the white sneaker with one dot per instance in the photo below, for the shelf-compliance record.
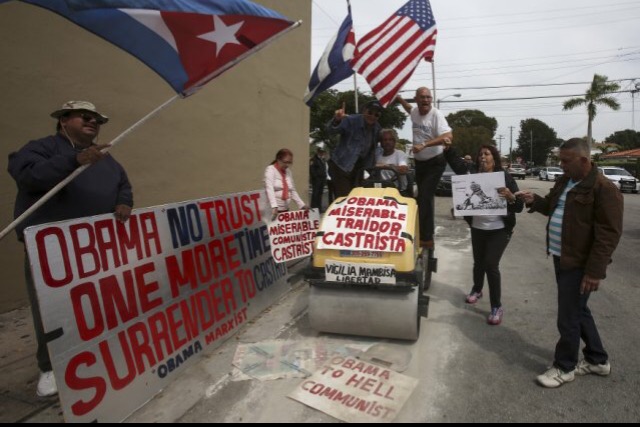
(47, 385)
(586, 368)
(555, 377)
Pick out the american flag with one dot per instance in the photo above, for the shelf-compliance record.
(389, 54)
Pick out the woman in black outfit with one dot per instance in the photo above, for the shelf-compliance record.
(490, 235)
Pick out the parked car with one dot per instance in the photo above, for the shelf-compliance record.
(550, 173)
(621, 178)
(517, 171)
(534, 171)
(444, 186)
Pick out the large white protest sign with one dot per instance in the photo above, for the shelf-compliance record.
(130, 306)
(356, 391)
(365, 223)
(477, 194)
(292, 234)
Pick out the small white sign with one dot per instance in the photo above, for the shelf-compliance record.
(292, 234)
(366, 224)
(361, 274)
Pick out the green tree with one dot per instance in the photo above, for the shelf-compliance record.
(326, 104)
(597, 95)
(627, 139)
(471, 130)
(544, 140)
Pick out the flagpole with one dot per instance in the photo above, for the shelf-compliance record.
(433, 76)
(81, 169)
(355, 91)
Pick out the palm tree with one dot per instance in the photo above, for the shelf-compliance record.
(596, 95)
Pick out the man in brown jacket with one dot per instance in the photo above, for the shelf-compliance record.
(585, 224)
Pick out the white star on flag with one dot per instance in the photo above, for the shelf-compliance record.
(222, 35)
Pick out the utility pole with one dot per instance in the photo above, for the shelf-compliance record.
(511, 147)
(633, 106)
(531, 158)
(500, 138)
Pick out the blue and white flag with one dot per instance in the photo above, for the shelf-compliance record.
(335, 64)
(187, 42)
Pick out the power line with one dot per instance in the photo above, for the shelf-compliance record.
(523, 98)
(525, 85)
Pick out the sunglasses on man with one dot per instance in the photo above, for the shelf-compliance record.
(88, 117)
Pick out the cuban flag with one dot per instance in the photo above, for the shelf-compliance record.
(187, 42)
(335, 64)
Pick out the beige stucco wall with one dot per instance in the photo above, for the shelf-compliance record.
(215, 142)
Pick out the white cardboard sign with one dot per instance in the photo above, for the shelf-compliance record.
(356, 391)
(365, 223)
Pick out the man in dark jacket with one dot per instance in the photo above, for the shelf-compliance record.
(102, 188)
(585, 225)
(318, 177)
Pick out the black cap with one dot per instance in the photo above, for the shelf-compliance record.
(374, 105)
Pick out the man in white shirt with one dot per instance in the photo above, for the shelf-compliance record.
(387, 156)
(430, 129)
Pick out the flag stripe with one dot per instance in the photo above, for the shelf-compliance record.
(378, 33)
(408, 61)
(388, 55)
(385, 47)
(208, 7)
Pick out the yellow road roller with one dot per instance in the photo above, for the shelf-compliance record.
(368, 273)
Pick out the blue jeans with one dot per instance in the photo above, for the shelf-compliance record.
(575, 322)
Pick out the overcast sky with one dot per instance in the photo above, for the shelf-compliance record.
(557, 45)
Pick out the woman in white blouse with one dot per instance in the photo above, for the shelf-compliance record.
(278, 182)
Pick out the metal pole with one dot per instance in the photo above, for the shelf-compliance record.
(511, 147)
(355, 91)
(433, 77)
(531, 158)
(633, 110)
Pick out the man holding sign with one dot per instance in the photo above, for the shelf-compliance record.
(41, 165)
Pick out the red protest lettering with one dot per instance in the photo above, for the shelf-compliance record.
(129, 240)
(141, 345)
(87, 291)
(43, 256)
(149, 231)
(87, 251)
(217, 258)
(236, 212)
(174, 326)
(121, 302)
(78, 383)
(118, 382)
(207, 210)
(160, 334)
(109, 243)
